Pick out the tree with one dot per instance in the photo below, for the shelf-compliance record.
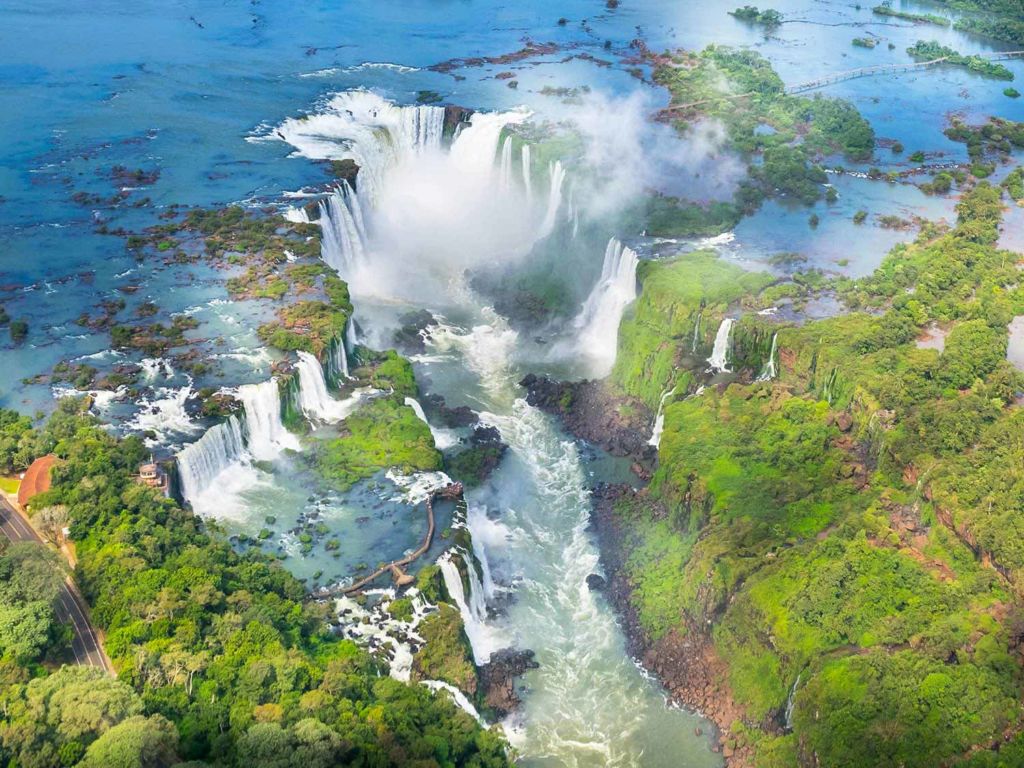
(138, 742)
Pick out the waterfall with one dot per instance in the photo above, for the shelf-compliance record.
(659, 420)
(473, 612)
(696, 332)
(199, 463)
(527, 173)
(720, 352)
(460, 698)
(598, 322)
(314, 399)
(442, 438)
(557, 175)
(768, 372)
(344, 234)
(791, 703)
(350, 336)
(340, 359)
(506, 163)
(364, 127)
(421, 127)
(266, 436)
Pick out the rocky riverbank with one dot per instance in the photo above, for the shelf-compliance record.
(594, 412)
(686, 664)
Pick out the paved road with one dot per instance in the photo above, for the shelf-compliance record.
(70, 605)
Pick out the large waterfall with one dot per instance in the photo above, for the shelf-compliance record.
(506, 164)
(598, 322)
(367, 129)
(343, 245)
(199, 463)
(719, 360)
(265, 435)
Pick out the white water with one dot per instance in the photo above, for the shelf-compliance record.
(659, 420)
(527, 167)
(367, 129)
(266, 436)
(696, 332)
(557, 178)
(719, 360)
(165, 416)
(768, 372)
(200, 463)
(506, 164)
(460, 698)
(436, 215)
(442, 437)
(472, 608)
(343, 245)
(315, 401)
(598, 321)
(340, 358)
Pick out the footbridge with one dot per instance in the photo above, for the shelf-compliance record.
(890, 69)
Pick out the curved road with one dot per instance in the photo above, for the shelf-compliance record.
(70, 607)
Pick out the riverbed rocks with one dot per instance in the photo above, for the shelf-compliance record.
(498, 677)
(591, 411)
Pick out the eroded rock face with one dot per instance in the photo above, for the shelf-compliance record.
(596, 582)
(498, 676)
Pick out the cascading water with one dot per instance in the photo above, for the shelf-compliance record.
(506, 163)
(458, 696)
(472, 608)
(343, 245)
(266, 436)
(201, 462)
(768, 372)
(557, 175)
(527, 166)
(314, 399)
(696, 332)
(719, 360)
(587, 704)
(339, 359)
(659, 419)
(442, 438)
(598, 322)
(371, 131)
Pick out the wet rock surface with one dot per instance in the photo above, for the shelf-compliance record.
(498, 676)
(590, 411)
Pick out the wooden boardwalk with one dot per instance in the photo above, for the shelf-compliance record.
(453, 491)
(889, 69)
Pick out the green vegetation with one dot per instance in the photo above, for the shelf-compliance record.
(30, 580)
(1011, 92)
(999, 19)
(853, 524)
(932, 50)
(885, 9)
(739, 89)
(671, 217)
(383, 433)
(865, 42)
(682, 299)
(769, 17)
(220, 657)
(447, 655)
(1014, 184)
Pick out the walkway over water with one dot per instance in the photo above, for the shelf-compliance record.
(890, 69)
